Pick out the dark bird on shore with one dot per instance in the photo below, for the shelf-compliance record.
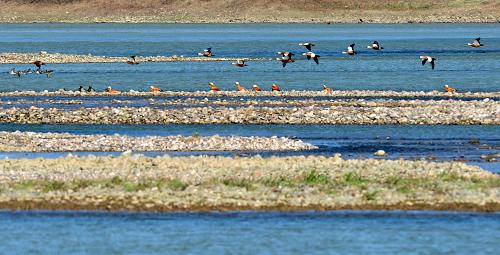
(90, 89)
(428, 59)
(476, 43)
(308, 45)
(350, 50)
(286, 57)
(312, 55)
(240, 63)
(132, 61)
(81, 89)
(206, 53)
(38, 64)
(375, 46)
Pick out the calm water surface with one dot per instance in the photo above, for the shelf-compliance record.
(397, 67)
(343, 232)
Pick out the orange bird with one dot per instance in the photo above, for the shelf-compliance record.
(154, 89)
(449, 89)
(256, 88)
(213, 87)
(275, 87)
(132, 62)
(111, 91)
(327, 89)
(239, 87)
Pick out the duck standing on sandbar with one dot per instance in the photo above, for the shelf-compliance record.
(350, 50)
(275, 87)
(111, 90)
(90, 89)
(256, 88)
(81, 89)
(213, 88)
(206, 53)
(239, 87)
(429, 59)
(286, 57)
(327, 89)
(449, 89)
(154, 89)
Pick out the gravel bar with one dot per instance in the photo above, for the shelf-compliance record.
(204, 183)
(64, 142)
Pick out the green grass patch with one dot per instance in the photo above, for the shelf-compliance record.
(370, 196)
(239, 183)
(279, 181)
(314, 177)
(351, 178)
(176, 184)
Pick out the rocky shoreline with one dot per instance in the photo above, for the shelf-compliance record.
(445, 112)
(64, 142)
(133, 183)
(59, 58)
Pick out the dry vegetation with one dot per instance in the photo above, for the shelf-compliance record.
(249, 11)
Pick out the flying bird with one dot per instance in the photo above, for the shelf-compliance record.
(428, 59)
(350, 50)
(375, 46)
(132, 61)
(312, 55)
(38, 64)
(308, 45)
(476, 43)
(206, 53)
(286, 57)
(240, 63)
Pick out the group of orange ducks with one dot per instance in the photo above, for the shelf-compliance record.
(239, 87)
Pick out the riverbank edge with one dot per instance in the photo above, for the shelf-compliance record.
(32, 205)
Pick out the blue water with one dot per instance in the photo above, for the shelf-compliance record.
(397, 67)
(343, 232)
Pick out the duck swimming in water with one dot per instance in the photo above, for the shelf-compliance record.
(275, 87)
(327, 89)
(428, 59)
(286, 57)
(213, 88)
(312, 55)
(154, 89)
(350, 50)
(239, 87)
(375, 46)
(449, 89)
(308, 45)
(240, 63)
(256, 88)
(132, 61)
(206, 53)
(476, 43)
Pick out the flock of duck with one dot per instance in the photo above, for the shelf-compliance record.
(286, 57)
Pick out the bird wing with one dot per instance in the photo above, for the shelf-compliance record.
(308, 57)
(284, 63)
(424, 61)
(308, 46)
(432, 64)
(477, 40)
(316, 59)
